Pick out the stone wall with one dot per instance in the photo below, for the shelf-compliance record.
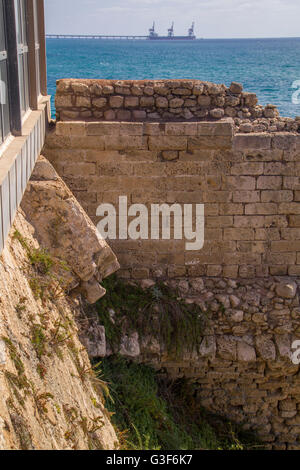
(249, 185)
(49, 399)
(166, 100)
(243, 369)
(242, 162)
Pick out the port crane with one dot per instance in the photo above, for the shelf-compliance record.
(152, 33)
(171, 31)
(192, 31)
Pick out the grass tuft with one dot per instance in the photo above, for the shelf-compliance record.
(156, 312)
(151, 414)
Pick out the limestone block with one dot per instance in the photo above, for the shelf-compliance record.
(265, 348)
(70, 128)
(94, 340)
(222, 128)
(149, 91)
(246, 353)
(83, 102)
(147, 101)
(63, 101)
(130, 345)
(99, 102)
(162, 102)
(208, 347)
(81, 88)
(250, 99)
(182, 91)
(136, 90)
(167, 143)
(131, 102)
(137, 114)
(109, 115)
(107, 90)
(227, 347)
(123, 115)
(116, 101)
(198, 89)
(236, 88)
(286, 290)
(96, 89)
(204, 100)
(92, 290)
(176, 103)
(66, 232)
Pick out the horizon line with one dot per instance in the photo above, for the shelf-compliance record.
(197, 38)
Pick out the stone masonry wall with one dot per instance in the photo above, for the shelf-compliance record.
(242, 162)
(244, 367)
(249, 184)
(166, 100)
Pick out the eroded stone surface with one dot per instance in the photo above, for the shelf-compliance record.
(167, 100)
(64, 229)
(46, 389)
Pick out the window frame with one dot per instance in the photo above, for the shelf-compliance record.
(25, 56)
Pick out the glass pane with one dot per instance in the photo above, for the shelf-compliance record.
(4, 98)
(2, 36)
(23, 23)
(21, 83)
(36, 22)
(26, 74)
(38, 78)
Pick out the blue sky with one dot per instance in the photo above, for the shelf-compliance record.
(213, 18)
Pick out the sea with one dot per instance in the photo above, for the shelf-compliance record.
(268, 67)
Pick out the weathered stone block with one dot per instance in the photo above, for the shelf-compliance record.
(227, 347)
(167, 143)
(147, 102)
(70, 129)
(131, 102)
(102, 128)
(99, 102)
(252, 142)
(245, 352)
(116, 101)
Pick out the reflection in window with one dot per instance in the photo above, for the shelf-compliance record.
(37, 47)
(4, 105)
(20, 9)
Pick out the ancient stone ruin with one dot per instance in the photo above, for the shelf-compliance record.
(192, 142)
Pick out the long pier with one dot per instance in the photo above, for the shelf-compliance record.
(92, 36)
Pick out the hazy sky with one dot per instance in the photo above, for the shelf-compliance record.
(213, 18)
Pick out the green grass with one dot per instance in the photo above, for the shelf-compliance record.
(46, 279)
(156, 312)
(151, 414)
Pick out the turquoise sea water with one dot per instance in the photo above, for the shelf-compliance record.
(267, 67)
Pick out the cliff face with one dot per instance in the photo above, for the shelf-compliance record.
(50, 398)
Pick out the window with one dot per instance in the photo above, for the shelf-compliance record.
(22, 46)
(22, 62)
(37, 47)
(4, 104)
